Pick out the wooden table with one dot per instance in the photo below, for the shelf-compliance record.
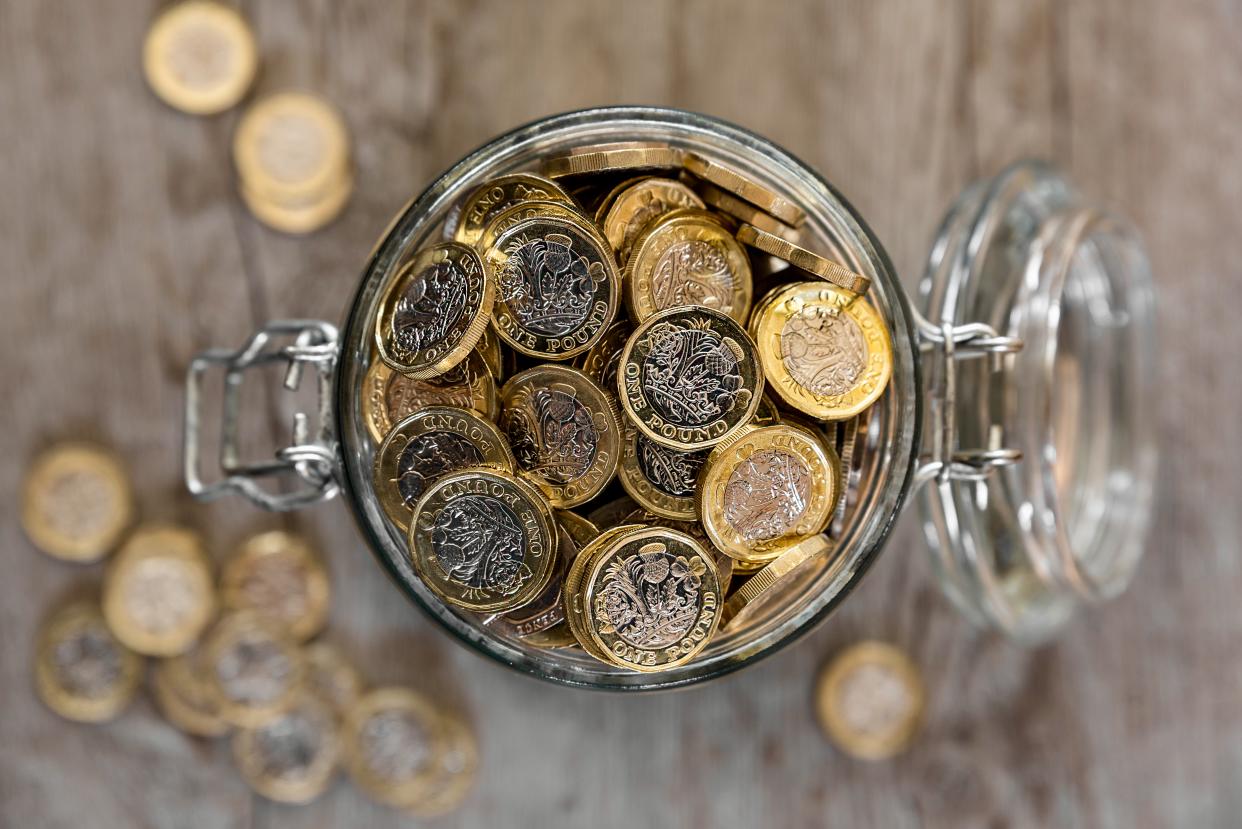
(124, 250)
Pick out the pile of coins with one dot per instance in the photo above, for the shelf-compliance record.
(587, 427)
(235, 655)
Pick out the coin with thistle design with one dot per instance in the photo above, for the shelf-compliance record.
(564, 430)
(389, 397)
(500, 194)
(689, 377)
(661, 479)
(435, 311)
(641, 203)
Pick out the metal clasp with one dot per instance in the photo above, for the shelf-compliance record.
(310, 459)
(941, 346)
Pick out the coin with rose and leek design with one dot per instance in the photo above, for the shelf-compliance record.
(434, 312)
(661, 479)
(689, 377)
(390, 397)
(500, 194)
(483, 540)
(427, 445)
(82, 672)
(564, 430)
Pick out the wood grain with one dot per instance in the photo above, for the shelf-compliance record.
(124, 250)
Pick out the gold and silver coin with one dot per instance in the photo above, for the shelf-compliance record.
(278, 576)
(745, 188)
(803, 259)
(690, 378)
(573, 594)
(500, 194)
(541, 621)
(435, 311)
(639, 204)
(614, 157)
(766, 490)
(291, 147)
(300, 216)
(253, 670)
(76, 502)
(825, 352)
(661, 479)
(293, 757)
(870, 700)
(746, 213)
(601, 361)
(179, 687)
(389, 397)
(159, 593)
(331, 676)
(455, 769)
(82, 672)
(392, 740)
(686, 257)
(200, 57)
(725, 566)
(426, 446)
(483, 540)
(768, 584)
(564, 430)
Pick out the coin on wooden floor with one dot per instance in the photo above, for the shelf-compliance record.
(426, 446)
(291, 147)
(661, 479)
(769, 583)
(392, 740)
(564, 430)
(689, 377)
(82, 672)
(200, 57)
(455, 772)
(870, 700)
(253, 669)
(556, 286)
(76, 502)
(824, 351)
(498, 195)
(638, 205)
(278, 576)
(300, 217)
(293, 757)
(687, 257)
(766, 490)
(178, 684)
(601, 361)
(331, 676)
(159, 593)
(434, 312)
(389, 397)
(746, 213)
(740, 185)
(613, 157)
(803, 259)
(483, 540)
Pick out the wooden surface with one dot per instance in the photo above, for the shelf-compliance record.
(124, 250)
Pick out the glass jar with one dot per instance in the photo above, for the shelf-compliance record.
(1019, 259)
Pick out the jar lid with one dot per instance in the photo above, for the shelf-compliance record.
(1039, 358)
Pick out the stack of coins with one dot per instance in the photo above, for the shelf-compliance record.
(590, 431)
(235, 656)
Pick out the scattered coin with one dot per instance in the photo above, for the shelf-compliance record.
(200, 57)
(390, 397)
(870, 700)
(76, 502)
(293, 757)
(803, 259)
(178, 684)
(331, 676)
(732, 181)
(392, 740)
(278, 576)
(291, 147)
(454, 773)
(82, 672)
(253, 670)
(604, 158)
(300, 218)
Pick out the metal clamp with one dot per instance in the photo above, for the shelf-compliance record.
(310, 459)
(941, 346)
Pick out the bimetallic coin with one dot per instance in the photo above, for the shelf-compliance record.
(766, 490)
(291, 147)
(652, 599)
(746, 213)
(300, 217)
(573, 592)
(661, 479)
(803, 259)
(826, 353)
(392, 740)
(456, 768)
(601, 361)
(724, 564)
(870, 700)
(200, 57)
(81, 671)
(278, 576)
(500, 194)
(179, 687)
(253, 670)
(428, 445)
(640, 204)
(687, 258)
(389, 397)
(616, 156)
(434, 313)
(483, 540)
(331, 676)
(556, 286)
(76, 502)
(689, 378)
(767, 584)
(730, 180)
(292, 758)
(159, 594)
(526, 211)
(541, 621)
(489, 349)
(564, 430)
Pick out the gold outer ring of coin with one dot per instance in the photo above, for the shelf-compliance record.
(188, 31)
(573, 594)
(75, 619)
(726, 178)
(823, 471)
(649, 494)
(650, 422)
(724, 564)
(248, 747)
(300, 219)
(458, 768)
(531, 211)
(835, 723)
(239, 627)
(295, 558)
(171, 560)
(523, 401)
(749, 599)
(541, 622)
(477, 392)
(747, 213)
(675, 230)
(500, 194)
(434, 423)
(331, 676)
(64, 482)
(280, 128)
(818, 308)
(374, 703)
(803, 259)
(524, 500)
(178, 687)
(603, 158)
(641, 203)
(479, 292)
(489, 350)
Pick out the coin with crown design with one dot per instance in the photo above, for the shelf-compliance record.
(661, 479)
(500, 194)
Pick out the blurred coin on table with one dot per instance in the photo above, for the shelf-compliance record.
(76, 502)
(200, 57)
(292, 758)
(456, 768)
(393, 739)
(870, 700)
(81, 671)
(253, 670)
(332, 676)
(179, 686)
(278, 576)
